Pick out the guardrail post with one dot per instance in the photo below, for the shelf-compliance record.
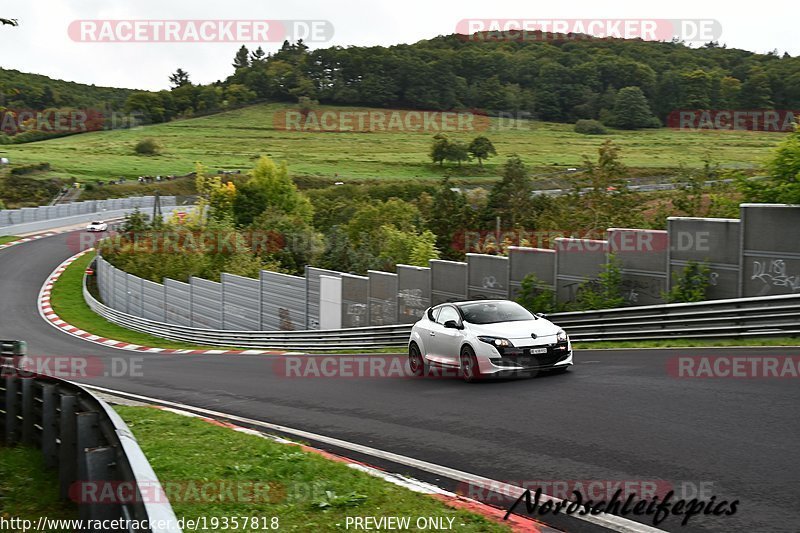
(49, 425)
(99, 468)
(27, 411)
(11, 410)
(88, 437)
(67, 451)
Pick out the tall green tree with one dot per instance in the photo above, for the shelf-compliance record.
(242, 58)
(631, 110)
(481, 148)
(179, 78)
(510, 198)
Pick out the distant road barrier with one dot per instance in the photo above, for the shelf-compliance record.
(32, 219)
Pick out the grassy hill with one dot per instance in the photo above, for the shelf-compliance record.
(233, 140)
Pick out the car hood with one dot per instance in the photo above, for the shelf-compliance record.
(519, 331)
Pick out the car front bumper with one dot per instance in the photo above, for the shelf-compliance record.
(522, 360)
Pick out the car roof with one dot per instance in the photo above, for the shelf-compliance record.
(463, 302)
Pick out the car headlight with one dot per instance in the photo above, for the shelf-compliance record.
(499, 342)
(561, 336)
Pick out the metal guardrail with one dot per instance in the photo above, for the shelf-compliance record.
(766, 316)
(741, 317)
(13, 348)
(87, 441)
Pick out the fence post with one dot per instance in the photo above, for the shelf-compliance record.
(11, 410)
(49, 425)
(67, 451)
(27, 411)
(99, 463)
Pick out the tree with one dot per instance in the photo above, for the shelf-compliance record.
(756, 92)
(696, 90)
(481, 148)
(270, 188)
(449, 217)
(457, 151)
(179, 79)
(440, 148)
(783, 182)
(258, 56)
(510, 198)
(631, 110)
(242, 58)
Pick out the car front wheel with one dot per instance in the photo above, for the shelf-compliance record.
(469, 365)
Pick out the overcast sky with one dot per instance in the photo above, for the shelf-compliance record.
(42, 44)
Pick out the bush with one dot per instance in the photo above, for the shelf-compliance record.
(533, 297)
(605, 292)
(590, 127)
(29, 169)
(147, 146)
(690, 285)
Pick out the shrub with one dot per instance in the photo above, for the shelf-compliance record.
(589, 127)
(690, 284)
(605, 292)
(533, 297)
(147, 146)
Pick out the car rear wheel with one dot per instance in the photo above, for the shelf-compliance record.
(415, 360)
(469, 365)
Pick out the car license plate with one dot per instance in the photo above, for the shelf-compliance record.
(535, 351)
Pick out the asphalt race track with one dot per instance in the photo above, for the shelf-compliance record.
(617, 415)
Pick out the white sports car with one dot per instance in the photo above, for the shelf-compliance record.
(487, 338)
(97, 225)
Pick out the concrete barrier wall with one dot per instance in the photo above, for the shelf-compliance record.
(382, 298)
(577, 261)
(355, 300)
(770, 250)
(755, 256)
(448, 281)
(714, 241)
(413, 292)
(487, 277)
(642, 255)
(538, 261)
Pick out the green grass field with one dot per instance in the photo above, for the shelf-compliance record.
(233, 140)
(307, 491)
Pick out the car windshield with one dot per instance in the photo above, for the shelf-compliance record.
(493, 312)
(97, 222)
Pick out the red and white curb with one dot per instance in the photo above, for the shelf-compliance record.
(50, 316)
(516, 523)
(31, 238)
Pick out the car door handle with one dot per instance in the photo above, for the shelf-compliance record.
(433, 333)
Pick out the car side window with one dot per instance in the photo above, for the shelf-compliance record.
(448, 313)
(433, 312)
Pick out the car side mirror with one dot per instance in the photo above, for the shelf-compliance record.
(452, 324)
